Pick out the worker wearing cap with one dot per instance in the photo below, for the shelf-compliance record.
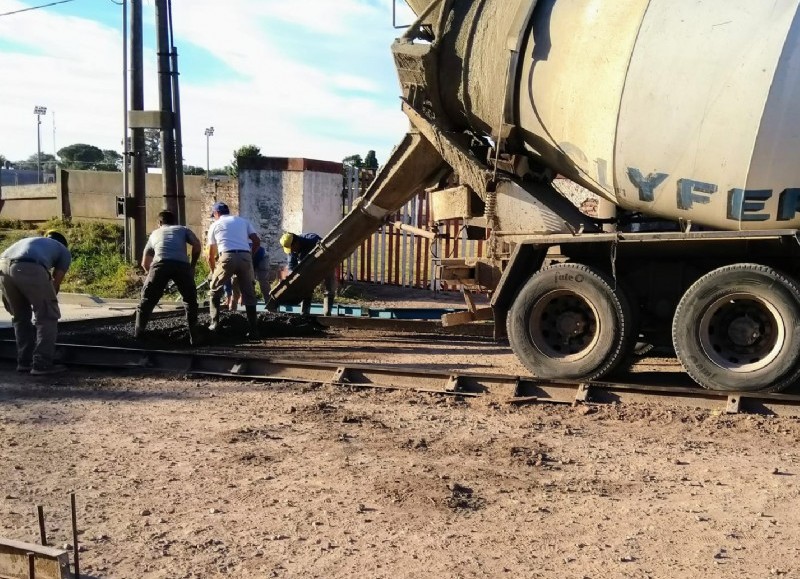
(232, 240)
(165, 259)
(297, 247)
(30, 289)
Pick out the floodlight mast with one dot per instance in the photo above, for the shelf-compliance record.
(39, 111)
(209, 133)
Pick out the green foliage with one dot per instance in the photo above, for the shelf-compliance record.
(9, 237)
(152, 147)
(371, 160)
(192, 170)
(201, 271)
(350, 294)
(112, 161)
(48, 163)
(354, 161)
(16, 224)
(247, 152)
(98, 260)
(80, 156)
(98, 256)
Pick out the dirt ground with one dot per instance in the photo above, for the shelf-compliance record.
(182, 477)
(188, 478)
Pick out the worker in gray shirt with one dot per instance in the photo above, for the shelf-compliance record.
(165, 259)
(28, 290)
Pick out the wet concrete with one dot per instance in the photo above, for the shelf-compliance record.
(170, 332)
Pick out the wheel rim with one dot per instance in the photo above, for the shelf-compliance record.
(742, 332)
(564, 325)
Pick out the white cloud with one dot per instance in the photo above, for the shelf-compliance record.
(312, 78)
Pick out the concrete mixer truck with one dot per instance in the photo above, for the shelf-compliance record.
(683, 118)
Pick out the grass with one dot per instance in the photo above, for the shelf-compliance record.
(98, 258)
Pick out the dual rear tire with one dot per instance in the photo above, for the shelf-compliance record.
(570, 321)
(737, 328)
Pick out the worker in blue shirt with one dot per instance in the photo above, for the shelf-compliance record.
(297, 247)
(261, 271)
(31, 272)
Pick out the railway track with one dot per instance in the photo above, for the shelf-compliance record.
(504, 388)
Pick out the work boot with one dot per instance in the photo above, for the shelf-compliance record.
(47, 370)
(140, 324)
(213, 310)
(194, 336)
(252, 318)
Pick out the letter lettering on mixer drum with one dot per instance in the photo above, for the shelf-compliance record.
(787, 204)
(744, 204)
(691, 192)
(646, 185)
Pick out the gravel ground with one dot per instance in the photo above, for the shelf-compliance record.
(187, 478)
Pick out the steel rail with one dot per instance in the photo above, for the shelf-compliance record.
(506, 388)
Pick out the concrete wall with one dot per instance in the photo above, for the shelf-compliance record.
(21, 202)
(322, 202)
(298, 195)
(215, 190)
(84, 195)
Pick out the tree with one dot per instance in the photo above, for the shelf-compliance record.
(80, 156)
(353, 161)
(245, 153)
(371, 161)
(112, 161)
(48, 163)
(152, 148)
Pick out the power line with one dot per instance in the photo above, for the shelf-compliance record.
(36, 7)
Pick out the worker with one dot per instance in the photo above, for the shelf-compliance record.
(261, 271)
(165, 259)
(30, 289)
(297, 247)
(232, 240)
(233, 296)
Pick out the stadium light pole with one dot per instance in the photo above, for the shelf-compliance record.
(209, 134)
(39, 111)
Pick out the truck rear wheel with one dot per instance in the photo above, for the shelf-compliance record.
(737, 328)
(569, 322)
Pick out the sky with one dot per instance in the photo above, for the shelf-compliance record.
(298, 78)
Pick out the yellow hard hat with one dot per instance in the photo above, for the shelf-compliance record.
(286, 242)
(57, 235)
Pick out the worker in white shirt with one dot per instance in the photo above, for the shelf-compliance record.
(231, 243)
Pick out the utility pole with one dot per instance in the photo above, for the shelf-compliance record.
(169, 183)
(209, 134)
(176, 99)
(129, 255)
(39, 111)
(139, 213)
